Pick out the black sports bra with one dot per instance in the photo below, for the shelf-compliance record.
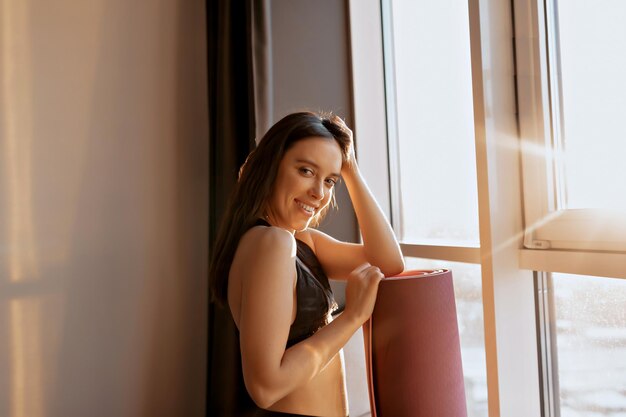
(315, 301)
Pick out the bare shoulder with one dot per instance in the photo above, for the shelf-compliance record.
(263, 251)
(263, 269)
(268, 239)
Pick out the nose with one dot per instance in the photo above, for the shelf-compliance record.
(317, 190)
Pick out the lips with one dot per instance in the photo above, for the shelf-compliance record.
(310, 210)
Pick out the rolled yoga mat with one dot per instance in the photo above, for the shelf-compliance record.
(412, 348)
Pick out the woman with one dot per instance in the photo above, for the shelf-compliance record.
(271, 267)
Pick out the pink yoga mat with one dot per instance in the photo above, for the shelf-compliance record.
(412, 348)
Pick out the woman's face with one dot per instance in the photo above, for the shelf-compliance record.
(304, 184)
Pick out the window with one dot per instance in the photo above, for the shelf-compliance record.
(526, 131)
(588, 344)
(571, 90)
(572, 128)
(430, 106)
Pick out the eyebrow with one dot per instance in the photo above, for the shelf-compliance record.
(309, 162)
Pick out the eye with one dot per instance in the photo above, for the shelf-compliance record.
(331, 182)
(306, 171)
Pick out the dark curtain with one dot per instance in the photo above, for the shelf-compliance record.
(231, 28)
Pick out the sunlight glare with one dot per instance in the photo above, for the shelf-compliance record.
(24, 323)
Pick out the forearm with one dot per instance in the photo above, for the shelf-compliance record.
(379, 241)
(303, 361)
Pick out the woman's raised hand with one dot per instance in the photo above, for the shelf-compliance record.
(361, 291)
(350, 163)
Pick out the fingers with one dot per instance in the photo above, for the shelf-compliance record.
(361, 268)
(367, 270)
(379, 274)
(362, 290)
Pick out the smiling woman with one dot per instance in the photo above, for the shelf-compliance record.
(271, 268)
(304, 185)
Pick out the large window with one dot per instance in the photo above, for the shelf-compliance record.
(500, 156)
(431, 106)
(572, 128)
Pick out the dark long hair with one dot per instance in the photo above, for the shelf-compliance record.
(256, 180)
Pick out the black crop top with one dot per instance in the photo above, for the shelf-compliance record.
(315, 301)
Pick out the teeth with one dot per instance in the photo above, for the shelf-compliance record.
(307, 208)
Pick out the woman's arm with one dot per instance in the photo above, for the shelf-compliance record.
(379, 246)
(379, 241)
(266, 262)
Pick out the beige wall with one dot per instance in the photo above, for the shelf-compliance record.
(103, 202)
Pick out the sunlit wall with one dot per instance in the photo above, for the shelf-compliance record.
(103, 202)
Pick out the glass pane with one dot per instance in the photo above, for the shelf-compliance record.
(592, 40)
(591, 345)
(469, 308)
(435, 122)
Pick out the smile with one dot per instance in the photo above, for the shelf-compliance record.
(309, 209)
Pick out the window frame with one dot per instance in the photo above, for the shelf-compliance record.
(546, 335)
